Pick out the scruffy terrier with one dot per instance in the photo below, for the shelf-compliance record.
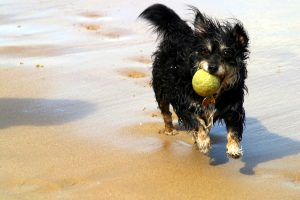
(220, 48)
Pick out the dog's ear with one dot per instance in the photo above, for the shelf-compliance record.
(200, 21)
(240, 35)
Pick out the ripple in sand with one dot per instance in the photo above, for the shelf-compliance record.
(91, 14)
(91, 27)
(112, 35)
(43, 185)
(133, 73)
(31, 50)
(141, 59)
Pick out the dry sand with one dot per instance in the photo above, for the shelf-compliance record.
(79, 121)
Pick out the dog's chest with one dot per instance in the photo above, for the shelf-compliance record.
(206, 118)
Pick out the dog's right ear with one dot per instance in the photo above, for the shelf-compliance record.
(201, 22)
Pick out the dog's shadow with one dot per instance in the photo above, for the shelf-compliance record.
(41, 112)
(259, 144)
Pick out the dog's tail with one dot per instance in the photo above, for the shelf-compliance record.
(165, 21)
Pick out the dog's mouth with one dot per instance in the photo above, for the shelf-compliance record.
(214, 69)
(229, 76)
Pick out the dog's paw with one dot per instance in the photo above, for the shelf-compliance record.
(234, 150)
(203, 144)
(168, 132)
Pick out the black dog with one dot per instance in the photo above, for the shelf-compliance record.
(221, 48)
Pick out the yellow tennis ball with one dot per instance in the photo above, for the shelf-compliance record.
(205, 84)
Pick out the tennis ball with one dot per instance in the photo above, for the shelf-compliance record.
(205, 84)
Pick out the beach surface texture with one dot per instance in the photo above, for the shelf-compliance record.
(79, 121)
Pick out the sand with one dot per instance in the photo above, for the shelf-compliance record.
(79, 120)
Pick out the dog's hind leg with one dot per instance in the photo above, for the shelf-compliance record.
(167, 116)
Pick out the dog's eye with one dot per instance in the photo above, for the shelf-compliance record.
(227, 53)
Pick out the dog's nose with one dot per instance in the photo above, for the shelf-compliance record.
(212, 68)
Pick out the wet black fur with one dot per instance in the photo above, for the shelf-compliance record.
(178, 52)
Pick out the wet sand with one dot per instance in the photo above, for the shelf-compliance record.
(79, 120)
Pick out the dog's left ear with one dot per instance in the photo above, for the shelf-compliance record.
(240, 35)
(201, 22)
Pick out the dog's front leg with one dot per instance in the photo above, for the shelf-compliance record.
(234, 124)
(202, 139)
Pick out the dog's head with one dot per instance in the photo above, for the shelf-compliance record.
(221, 48)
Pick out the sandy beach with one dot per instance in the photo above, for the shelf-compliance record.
(79, 118)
